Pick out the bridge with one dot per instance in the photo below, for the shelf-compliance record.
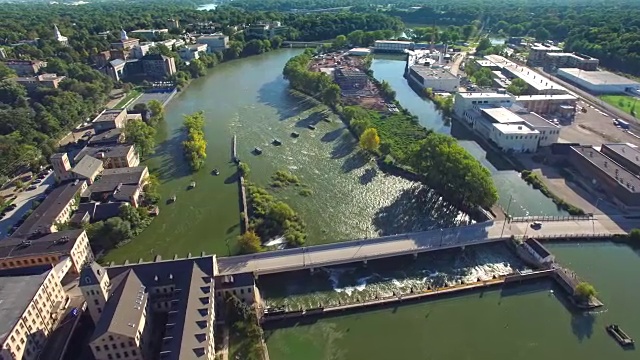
(303, 44)
(362, 250)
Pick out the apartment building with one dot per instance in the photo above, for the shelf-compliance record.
(55, 209)
(119, 185)
(49, 249)
(214, 42)
(30, 302)
(110, 119)
(88, 169)
(154, 310)
(116, 156)
(538, 53)
(556, 60)
(25, 67)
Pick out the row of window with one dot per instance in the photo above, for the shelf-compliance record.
(27, 262)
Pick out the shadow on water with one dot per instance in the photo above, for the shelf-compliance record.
(276, 94)
(233, 178)
(345, 145)
(368, 176)
(415, 209)
(332, 135)
(312, 119)
(172, 164)
(463, 134)
(355, 161)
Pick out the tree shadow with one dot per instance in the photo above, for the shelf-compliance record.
(368, 176)
(312, 119)
(172, 164)
(416, 209)
(355, 161)
(582, 324)
(345, 145)
(233, 178)
(276, 94)
(332, 135)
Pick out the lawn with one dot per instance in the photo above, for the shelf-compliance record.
(130, 96)
(625, 103)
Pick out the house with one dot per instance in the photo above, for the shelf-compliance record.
(69, 247)
(118, 185)
(34, 297)
(538, 251)
(31, 83)
(88, 169)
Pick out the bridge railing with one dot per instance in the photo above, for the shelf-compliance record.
(572, 236)
(551, 218)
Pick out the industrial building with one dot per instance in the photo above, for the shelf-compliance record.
(564, 105)
(621, 185)
(434, 78)
(214, 42)
(598, 82)
(625, 155)
(556, 60)
(392, 46)
(537, 84)
(350, 79)
(538, 53)
(359, 51)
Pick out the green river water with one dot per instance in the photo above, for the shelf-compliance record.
(352, 199)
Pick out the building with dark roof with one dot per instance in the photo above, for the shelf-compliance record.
(56, 208)
(242, 286)
(625, 155)
(31, 300)
(94, 211)
(538, 251)
(49, 249)
(158, 66)
(115, 156)
(123, 184)
(350, 79)
(108, 138)
(88, 169)
(25, 67)
(110, 119)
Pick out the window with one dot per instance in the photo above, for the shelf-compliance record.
(117, 355)
(114, 347)
(105, 347)
(97, 348)
(110, 338)
(249, 291)
(99, 311)
(109, 356)
(122, 345)
(95, 301)
(125, 354)
(133, 353)
(241, 291)
(131, 343)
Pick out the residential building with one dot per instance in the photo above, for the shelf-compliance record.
(564, 105)
(116, 156)
(92, 211)
(599, 82)
(243, 286)
(153, 310)
(25, 67)
(107, 138)
(119, 185)
(55, 209)
(125, 42)
(61, 167)
(149, 34)
(192, 52)
(31, 83)
(58, 36)
(538, 53)
(31, 300)
(538, 251)
(537, 84)
(556, 60)
(88, 169)
(70, 246)
(436, 79)
(621, 186)
(624, 154)
(158, 66)
(392, 46)
(214, 42)
(110, 119)
(350, 79)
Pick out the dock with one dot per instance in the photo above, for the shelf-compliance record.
(619, 335)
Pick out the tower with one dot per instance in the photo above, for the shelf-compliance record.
(61, 167)
(95, 286)
(61, 39)
(123, 35)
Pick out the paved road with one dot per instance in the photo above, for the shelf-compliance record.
(23, 202)
(360, 250)
(57, 342)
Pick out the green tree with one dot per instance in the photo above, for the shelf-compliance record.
(468, 31)
(6, 72)
(585, 291)
(142, 136)
(369, 140)
(197, 68)
(195, 147)
(483, 45)
(542, 34)
(331, 95)
(249, 242)
(157, 111)
(339, 42)
(281, 212)
(518, 87)
(634, 235)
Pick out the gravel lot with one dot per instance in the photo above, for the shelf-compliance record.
(593, 128)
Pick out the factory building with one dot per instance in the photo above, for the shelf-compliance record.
(392, 46)
(538, 53)
(598, 82)
(556, 60)
(436, 79)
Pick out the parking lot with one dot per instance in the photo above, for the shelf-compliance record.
(594, 128)
(23, 203)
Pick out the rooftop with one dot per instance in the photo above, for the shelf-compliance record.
(100, 211)
(109, 115)
(433, 73)
(537, 247)
(544, 47)
(485, 62)
(45, 215)
(17, 288)
(350, 72)
(111, 136)
(531, 77)
(598, 77)
(609, 167)
(558, 97)
(521, 128)
(99, 152)
(60, 242)
(536, 120)
(234, 281)
(87, 167)
(113, 178)
(479, 95)
(501, 115)
(625, 151)
(393, 42)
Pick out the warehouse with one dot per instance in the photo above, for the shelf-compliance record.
(598, 82)
(436, 79)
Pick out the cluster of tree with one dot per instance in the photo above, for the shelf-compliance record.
(485, 47)
(518, 87)
(316, 84)
(443, 103)
(245, 325)
(452, 171)
(481, 76)
(109, 233)
(195, 147)
(585, 291)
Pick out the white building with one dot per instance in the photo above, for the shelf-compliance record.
(392, 46)
(598, 82)
(192, 52)
(468, 100)
(436, 79)
(61, 39)
(141, 50)
(537, 83)
(359, 51)
(214, 42)
(538, 251)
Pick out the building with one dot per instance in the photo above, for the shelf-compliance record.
(93, 211)
(58, 36)
(88, 169)
(436, 79)
(141, 50)
(192, 52)
(620, 185)
(31, 300)
(537, 84)
(466, 101)
(623, 154)
(70, 247)
(158, 66)
(598, 82)
(25, 67)
(149, 33)
(167, 303)
(55, 209)
(242, 286)
(538, 53)
(125, 42)
(116, 156)
(265, 29)
(350, 79)
(564, 105)
(392, 46)
(214, 42)
(538, 251)
(108, 138)
(172, 23)
(484, 63)
(118, 185)
(359, 51)
(31, 83)
(61, 167)
(555, 60)
(110, 119)
(116, 69)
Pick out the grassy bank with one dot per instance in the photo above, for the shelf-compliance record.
(537, 183)
(625, 103)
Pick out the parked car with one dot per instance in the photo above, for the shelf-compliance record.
(32, 187)
(536, 225)
(37, 181)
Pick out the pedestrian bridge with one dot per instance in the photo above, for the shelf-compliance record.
(363, 250)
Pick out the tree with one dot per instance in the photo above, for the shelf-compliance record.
(634, 235)
(331, 95)
(157, 111)
(339, 42)
(518, 87)
(484, 44)
(197, 68)
(249, 242)
(585, 291)
(281, 212)
(369, 140)
(195, 147)
(542, 34)
(468, 31)
(6, 72)
(142, 136)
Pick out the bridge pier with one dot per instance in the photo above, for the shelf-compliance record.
(312, 270)
(364, 262)
(415, 256)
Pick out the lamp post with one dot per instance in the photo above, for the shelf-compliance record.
(507, 216)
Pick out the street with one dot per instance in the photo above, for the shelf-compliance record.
(24, 202)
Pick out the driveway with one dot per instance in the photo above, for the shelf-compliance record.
(23, 203)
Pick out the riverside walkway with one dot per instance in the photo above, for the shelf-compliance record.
(312, 257)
